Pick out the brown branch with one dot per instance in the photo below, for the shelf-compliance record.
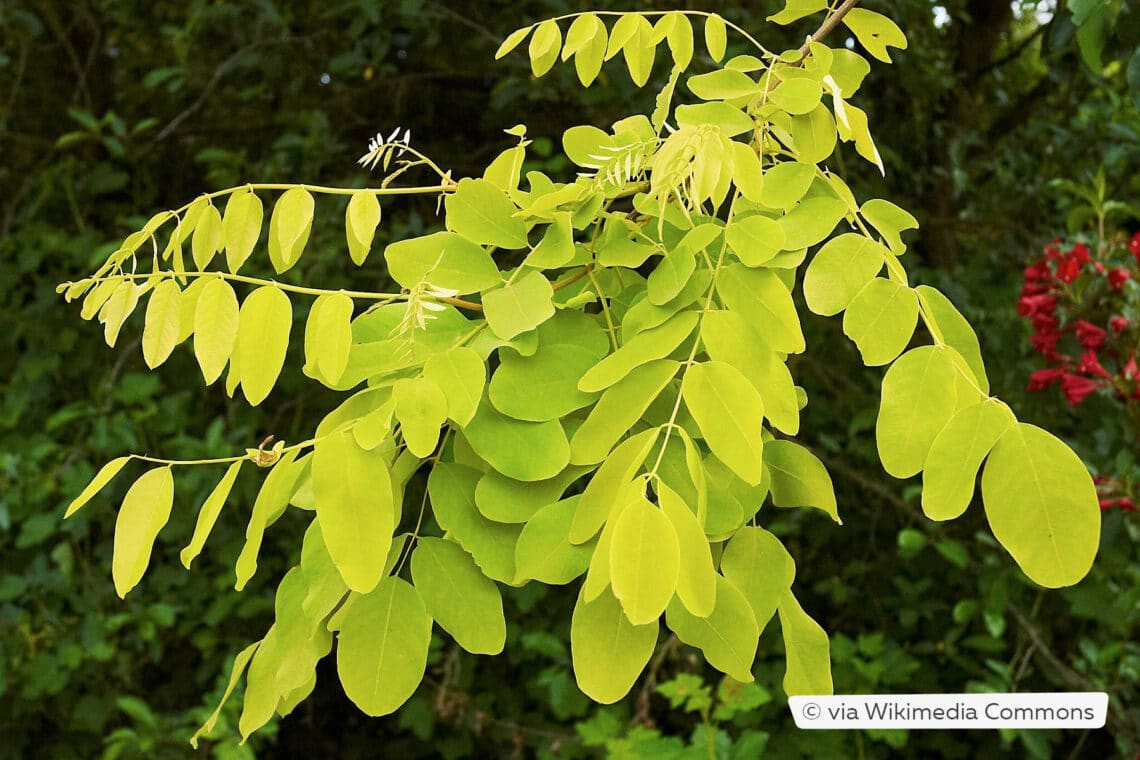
(828, 26)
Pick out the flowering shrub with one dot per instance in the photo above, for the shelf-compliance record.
(1083, 312)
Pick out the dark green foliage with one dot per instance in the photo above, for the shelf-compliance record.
(114, 107)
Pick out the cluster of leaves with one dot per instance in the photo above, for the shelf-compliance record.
(609, 410)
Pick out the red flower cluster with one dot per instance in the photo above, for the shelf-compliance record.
(1077, 304)
(1060, 290)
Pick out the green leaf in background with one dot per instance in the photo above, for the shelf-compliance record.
(1042, 505)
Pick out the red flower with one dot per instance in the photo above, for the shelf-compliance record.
(1067, 270)
(1046, 344)
(1039, 271)
(1118, 324)
(1036, 304)
(1098, 267)
(1117, 277)
(1134, 245)
(1079, 254)
(1043, 378)
(1089, 334)
(1123, 503)
(1052, 251)
(1044, 323)
(1090, 365)
(1130, 370)
(1077, 389)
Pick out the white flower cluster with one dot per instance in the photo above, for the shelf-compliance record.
(384, 150)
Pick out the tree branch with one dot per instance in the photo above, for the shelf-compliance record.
(828, 26)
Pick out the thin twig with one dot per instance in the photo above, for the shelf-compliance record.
(828, 26)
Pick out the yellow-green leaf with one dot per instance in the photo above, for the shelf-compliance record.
(956, 455)
(360, 220)
(799, 479)
(696, 578)
(730, 413)
(544, 552)
(919, 395)
(608, 652)
(544, 47)
(208, 237)
(841, 268)
(264, 323)
(512, 41)
(1042, 505)
(465, 603)
(875, 32)
(279, 486)
(382, 647)
(208, 515)
(519, 306)
(807, 650)
(421, 408)
(881, 319)
(716, 36)
(526, 451)
(601, 495)
(645, 558)
(727, 637)
(619, 408)
(759, 565)
(764, 301)
(786, 183)
(144, 512)
(328, 335)
(352, 488)
(794, 10)
(215, 327)
(755, 239)
(639, 52)
(642, 348)
(241, 227)
(461, 374)
(956, 331)
(119, 306)
(289, 227)
(240, 662)
(102, 478)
